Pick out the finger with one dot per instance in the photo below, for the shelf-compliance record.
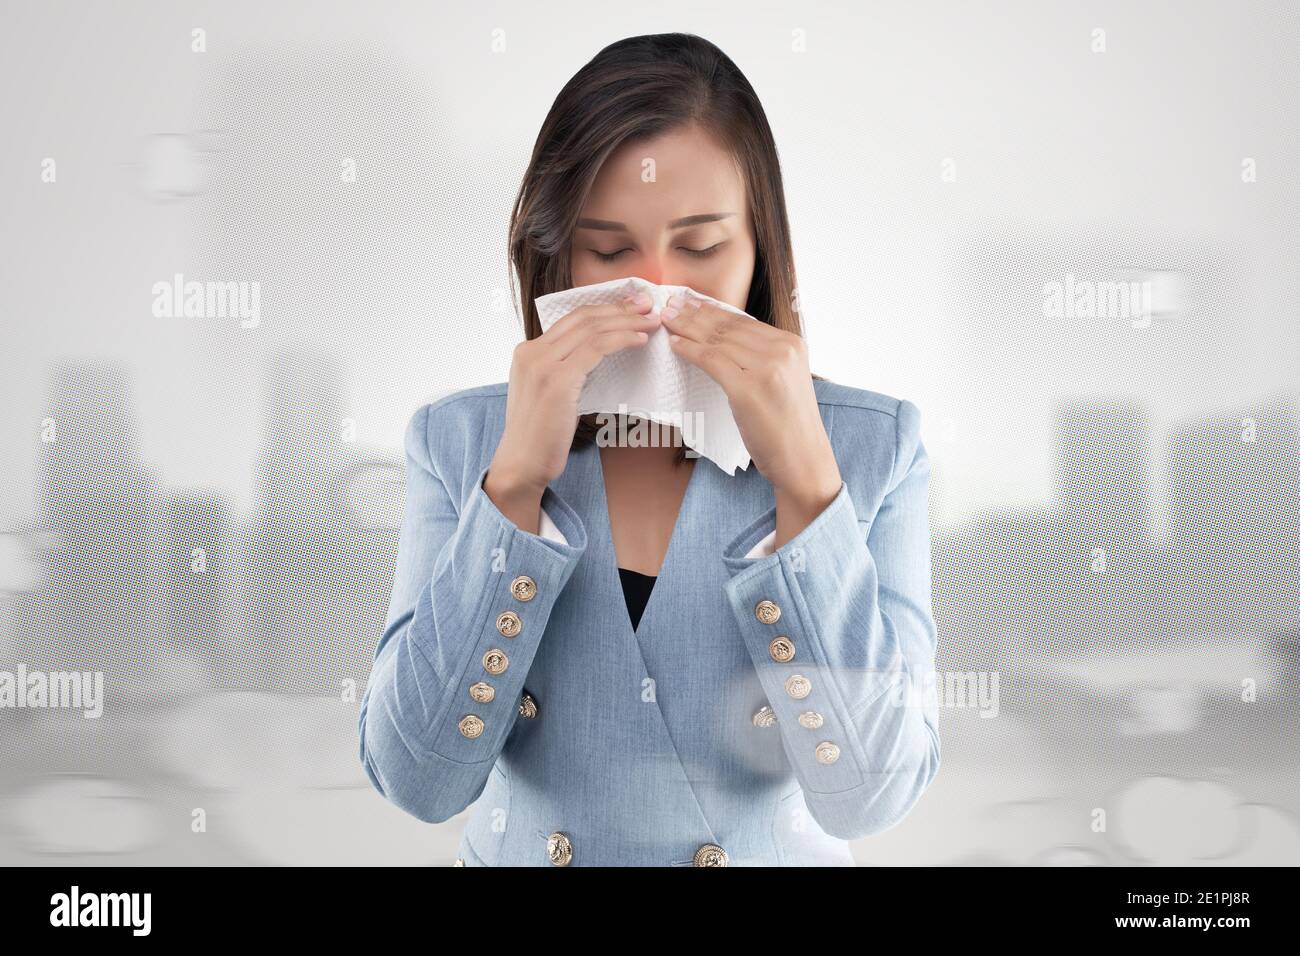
(565, 334)
(721, 335)
(584, 313)
(743, 327)
(589, 354)
(575, 337)
(713, 360)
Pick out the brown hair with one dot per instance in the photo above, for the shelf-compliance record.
(636, 88)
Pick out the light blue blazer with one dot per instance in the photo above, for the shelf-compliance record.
(766, 710)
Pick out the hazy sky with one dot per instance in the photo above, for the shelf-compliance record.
(224, 165)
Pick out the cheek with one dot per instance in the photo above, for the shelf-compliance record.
(586, 269)
(726, 276)
(578, 271)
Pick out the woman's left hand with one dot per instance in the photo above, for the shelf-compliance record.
(765, 375)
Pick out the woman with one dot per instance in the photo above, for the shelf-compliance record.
(765, 707)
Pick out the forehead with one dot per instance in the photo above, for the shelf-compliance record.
(678, 173)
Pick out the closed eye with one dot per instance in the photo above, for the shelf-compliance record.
(697, 253)
(702, 253)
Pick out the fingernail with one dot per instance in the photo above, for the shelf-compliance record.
(642, 299)
(669, 312)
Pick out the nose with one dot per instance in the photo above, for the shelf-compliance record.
(652, 270)
(655, 270)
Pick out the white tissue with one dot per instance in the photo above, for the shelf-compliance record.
(649, 381)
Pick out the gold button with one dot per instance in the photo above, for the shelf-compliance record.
(767, 612)
(559, 849)
(781, 649)
(482, 692)
(710, 854)
(798, 686)
(810, 719)
(459, 862)
(527, 706)
(827, 752)
(523, 588)
(508, 623)
(471, 726)
(765, 716)
(495, 661)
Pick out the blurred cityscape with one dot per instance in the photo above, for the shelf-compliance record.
(290, 602)
(1154, 674)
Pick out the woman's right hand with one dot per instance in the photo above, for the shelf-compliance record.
(546, 378)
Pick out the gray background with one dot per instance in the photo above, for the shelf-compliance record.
(235, 691)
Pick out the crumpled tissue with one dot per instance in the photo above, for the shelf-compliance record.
(649, 381)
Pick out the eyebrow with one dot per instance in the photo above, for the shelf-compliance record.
(608, 226)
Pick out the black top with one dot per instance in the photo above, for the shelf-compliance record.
(636, 592)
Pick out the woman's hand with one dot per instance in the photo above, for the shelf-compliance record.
(546, 378)
(764, 373)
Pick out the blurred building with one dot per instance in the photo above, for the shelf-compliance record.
(95, 500)
(318, 579)
(1234, 522)
(195, 573)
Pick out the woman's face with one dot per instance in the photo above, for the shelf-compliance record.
(671, 210)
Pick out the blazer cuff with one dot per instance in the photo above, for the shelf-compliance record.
(550, 530)
(492, 596)
(764, 547)
(758, 538)
(812, 623)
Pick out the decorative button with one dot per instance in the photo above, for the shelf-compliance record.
(495, 661)
(508, 623)
(459, 862)
(710, 854)
(810, 719)
(798, 686)
(559, 849)
(781, 649)
(482, 692)
(523, 588)
(827, 752)
(527, 706)
(765, 716)
(471, 725)
(767, 612)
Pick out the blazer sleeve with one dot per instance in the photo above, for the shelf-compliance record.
(853, 595)
(471, 597)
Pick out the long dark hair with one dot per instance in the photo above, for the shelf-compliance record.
(637, 88)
